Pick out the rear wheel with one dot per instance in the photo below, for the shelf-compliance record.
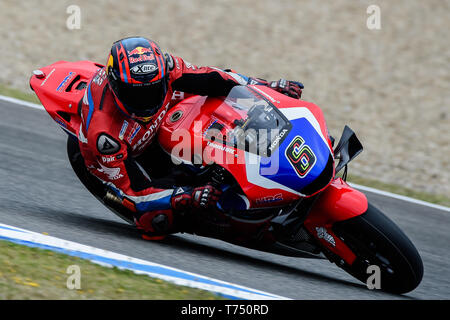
(376, 240)
(93, 184)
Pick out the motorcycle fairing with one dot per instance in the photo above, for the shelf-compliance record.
(247, 167)
(64, 85)
(315, 150)
(61, 90)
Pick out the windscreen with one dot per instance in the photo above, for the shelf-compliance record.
(259, 127)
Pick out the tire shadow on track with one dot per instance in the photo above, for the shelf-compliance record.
(176, 242)
(179, 242)
(43, 216)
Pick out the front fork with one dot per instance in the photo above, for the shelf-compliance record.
(337, 202)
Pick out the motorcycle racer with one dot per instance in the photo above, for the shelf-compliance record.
(122, 109)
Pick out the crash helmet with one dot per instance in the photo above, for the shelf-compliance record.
(137, 76)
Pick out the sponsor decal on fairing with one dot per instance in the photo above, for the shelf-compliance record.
(48, 77)
(323, 234)
(275, 198)
(277, 139)
(63, 83)
(221, 147)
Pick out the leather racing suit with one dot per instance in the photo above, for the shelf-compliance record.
(110, 140)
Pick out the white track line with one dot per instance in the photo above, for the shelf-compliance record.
(139, 266)
(357, 186)
(399, 197)
(21, 102)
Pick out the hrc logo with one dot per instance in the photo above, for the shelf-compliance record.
(300, 156)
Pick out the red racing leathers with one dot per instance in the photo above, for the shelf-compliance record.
(110, 140)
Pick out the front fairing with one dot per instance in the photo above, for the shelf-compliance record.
(304, 158)
(276, 147)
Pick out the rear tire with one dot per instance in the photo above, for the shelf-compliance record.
(94, 185)
(376, 240)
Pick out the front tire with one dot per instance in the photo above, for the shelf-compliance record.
(376, 240)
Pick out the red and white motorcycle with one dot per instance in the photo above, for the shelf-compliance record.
(281, 196)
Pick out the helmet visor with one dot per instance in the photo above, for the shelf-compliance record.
(142, 100)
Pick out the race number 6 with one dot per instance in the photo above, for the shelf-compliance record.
(300, 156)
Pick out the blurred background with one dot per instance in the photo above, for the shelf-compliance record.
(390, 85)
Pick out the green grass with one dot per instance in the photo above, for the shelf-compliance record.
(433, 198)
(18, 94)
(32, 273)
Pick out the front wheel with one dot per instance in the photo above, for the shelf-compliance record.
(376, 240)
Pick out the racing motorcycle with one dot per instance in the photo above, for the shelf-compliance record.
(277, 167)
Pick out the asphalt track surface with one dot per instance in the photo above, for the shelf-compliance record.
(39, 192)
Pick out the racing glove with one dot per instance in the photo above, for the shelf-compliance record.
(199, 198)
(290, 88)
